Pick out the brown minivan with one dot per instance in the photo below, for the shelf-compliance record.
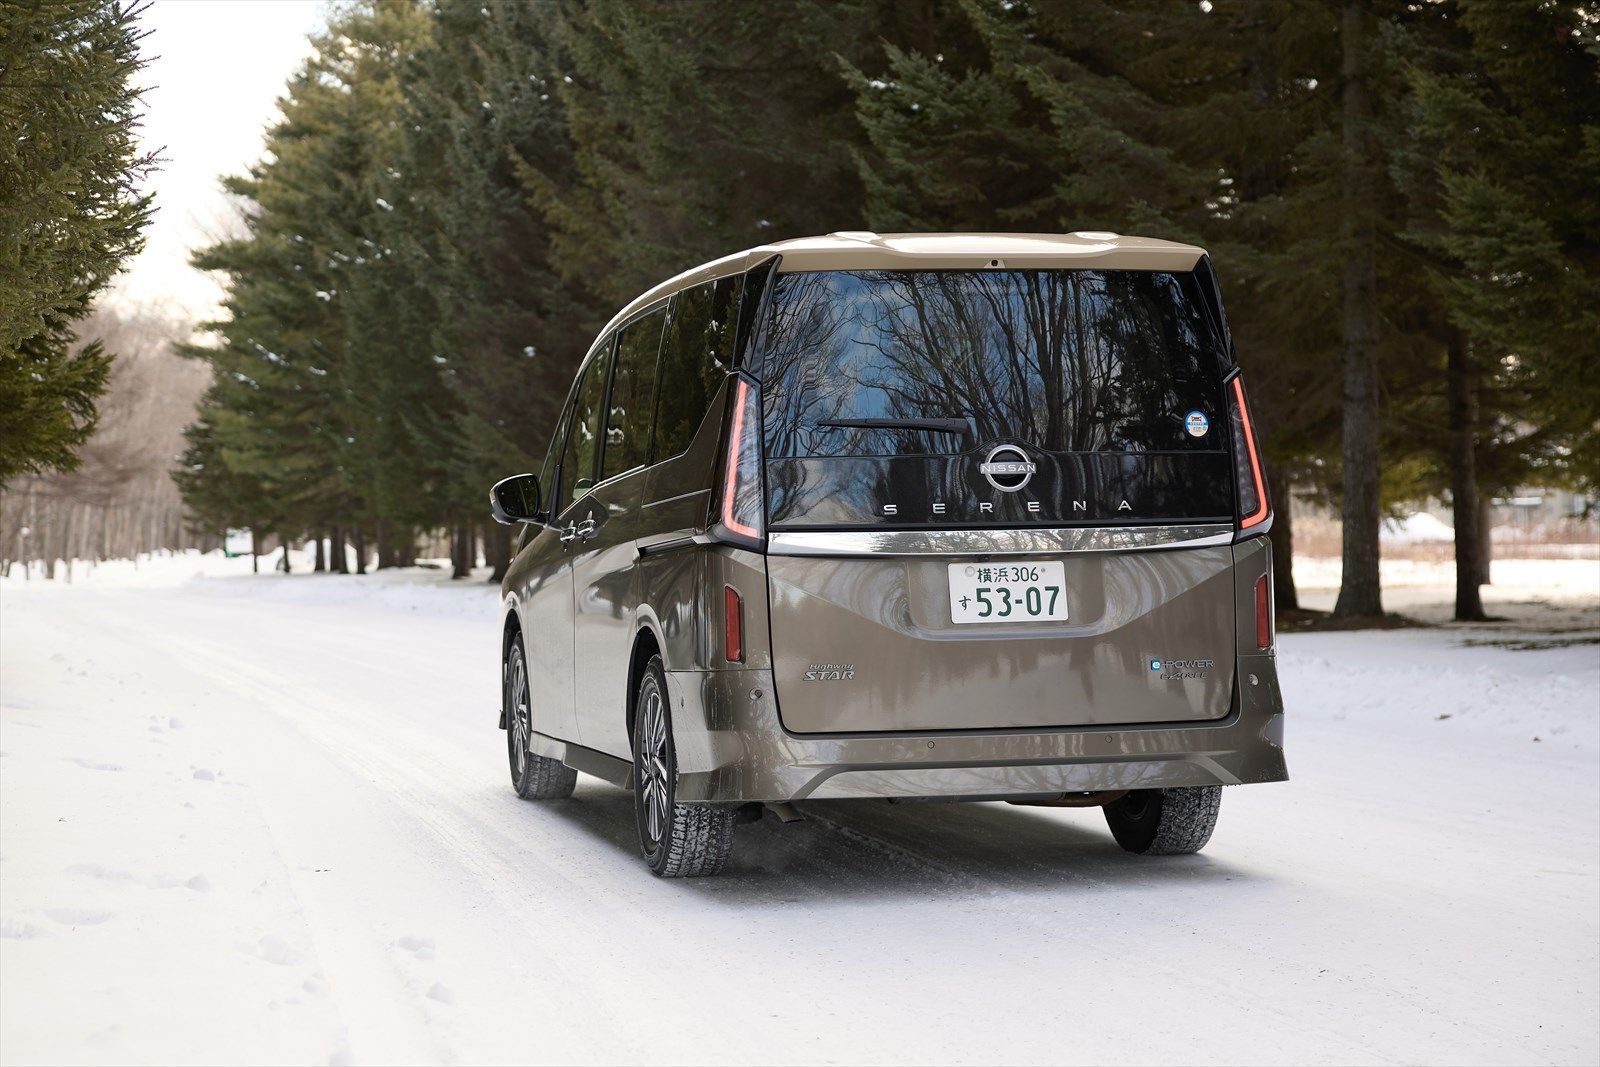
(931, 516)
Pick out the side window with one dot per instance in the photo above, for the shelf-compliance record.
(583, 442)
(697, 356)
(633, 392)
(550, 503)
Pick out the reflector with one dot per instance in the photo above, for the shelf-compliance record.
(1263, 613)
(732, 624)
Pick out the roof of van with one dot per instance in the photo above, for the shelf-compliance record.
(865, 250)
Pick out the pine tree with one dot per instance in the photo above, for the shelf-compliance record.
(70, 170)
(1154, 118)
(1498, 168)
(502, 328)
(701, 129)
(315, 392)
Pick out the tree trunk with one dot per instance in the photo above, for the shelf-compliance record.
(463, 551)
(1359, 591)
(385, 548)
(1279, 487)
(287, 568)
(255, 550)
(1485, 540)
(497, 550)
(1463, 481)
(361, 548)
(319, 563)
(336, 551)
(402, 547)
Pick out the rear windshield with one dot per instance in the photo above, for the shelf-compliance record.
(886, 363)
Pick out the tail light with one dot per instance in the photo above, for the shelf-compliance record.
(1263, 613)
(732, 624)
(1254, 509)
(740, 515)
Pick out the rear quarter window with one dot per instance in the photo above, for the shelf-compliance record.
(696, 356)
(633, 389)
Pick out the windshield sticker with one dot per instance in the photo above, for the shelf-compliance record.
(1196, 423)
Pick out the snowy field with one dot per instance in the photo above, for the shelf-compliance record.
(266, 820)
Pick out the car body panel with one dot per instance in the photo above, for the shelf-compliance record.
(539, 589)
(605, 594)
(909, 667)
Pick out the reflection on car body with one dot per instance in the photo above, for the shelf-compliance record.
(779, 469)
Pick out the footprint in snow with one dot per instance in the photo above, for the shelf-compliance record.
(78, 916)
(420, 947)
(274, 949)
(93, 765)
(19, 930)
(203, 775)
(438, 992)
(104, 873)
(174, 723)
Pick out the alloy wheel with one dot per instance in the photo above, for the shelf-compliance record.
(521, 724)
(654, 786)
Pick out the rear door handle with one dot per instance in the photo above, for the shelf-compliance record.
(569, 533)
(586, 529)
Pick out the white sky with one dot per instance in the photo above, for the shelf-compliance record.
(216, 70)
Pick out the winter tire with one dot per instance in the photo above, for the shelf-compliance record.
(678, 840)
(1165, 822)
(533, 777)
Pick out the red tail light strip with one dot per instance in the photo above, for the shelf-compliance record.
(1254, 456)
(1263, 614)
(732, 624)
(730, 484)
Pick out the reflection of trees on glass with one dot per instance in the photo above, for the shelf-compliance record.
(633, 390)
(695, 360)
(583, 444)
(1067, 360)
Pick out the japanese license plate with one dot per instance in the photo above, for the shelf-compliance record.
(1007, 592)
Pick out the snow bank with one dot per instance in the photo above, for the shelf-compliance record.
(1421, 528)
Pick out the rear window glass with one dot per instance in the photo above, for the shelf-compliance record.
(865, 363)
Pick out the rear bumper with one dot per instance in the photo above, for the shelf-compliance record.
(731, 747)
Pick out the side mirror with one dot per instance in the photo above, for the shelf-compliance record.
(515, 499)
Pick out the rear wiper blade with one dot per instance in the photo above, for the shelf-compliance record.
(941, 425)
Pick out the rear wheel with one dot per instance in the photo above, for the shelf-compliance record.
(533, 777)
(679, 840)
(1165, 822)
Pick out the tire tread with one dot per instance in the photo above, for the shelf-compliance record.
(546, 779)
(1188, 818)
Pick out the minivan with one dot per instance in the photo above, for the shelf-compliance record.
(953, 517)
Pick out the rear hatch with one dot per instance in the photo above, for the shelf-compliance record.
(996, 499)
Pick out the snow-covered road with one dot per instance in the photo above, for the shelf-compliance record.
(267, 820)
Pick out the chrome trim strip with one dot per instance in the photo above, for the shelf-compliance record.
(995, 542)
(675, 499)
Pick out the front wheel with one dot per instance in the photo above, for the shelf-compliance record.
(1165, 822)
(533, 777)
(678, 840)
